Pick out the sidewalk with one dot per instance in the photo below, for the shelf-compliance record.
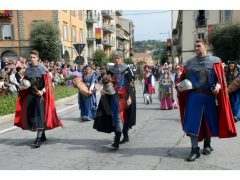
(8, 118)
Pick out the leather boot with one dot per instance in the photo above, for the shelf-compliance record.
(37, 143)
(43, 137)
(125, 137)
(117, 137)
(195, 153)
(207, 146)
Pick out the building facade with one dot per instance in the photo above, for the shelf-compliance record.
(145, 57)
(83, 27)
(197, 24)
(15, 31)
(125, 36)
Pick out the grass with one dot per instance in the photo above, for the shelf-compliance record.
(8, 103)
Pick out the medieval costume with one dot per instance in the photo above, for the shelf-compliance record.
(204, 114)
(234, 96)
(176, 80)
(149, 85)
(166, 88)
(33, 112)
(88, 102)
(113, 113)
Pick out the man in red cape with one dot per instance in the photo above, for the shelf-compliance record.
(35, 107)
(205, 111)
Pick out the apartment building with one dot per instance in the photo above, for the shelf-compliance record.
(109, 31)
(16, 25)
(93, 22)
(125, 36)
(195, 24)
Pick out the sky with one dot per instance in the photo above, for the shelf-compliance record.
(150, 24)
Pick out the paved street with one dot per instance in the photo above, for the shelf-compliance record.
(156, 142)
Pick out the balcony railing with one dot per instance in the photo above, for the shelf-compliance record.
(120, 35)
(108, 28)
(107, 42)
(91, 18)
(91, 36)
(201, 22)
(107, 14)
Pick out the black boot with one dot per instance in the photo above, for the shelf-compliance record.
(117, 137)
(125, 137)
(37, 143)
(207, 146)
(43, 137)
(195, 153)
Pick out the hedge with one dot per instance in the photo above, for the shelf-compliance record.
(8, 103)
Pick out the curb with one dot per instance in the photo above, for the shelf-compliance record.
(9, 117)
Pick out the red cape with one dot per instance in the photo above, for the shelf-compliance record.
(51, 118)
(227, 127)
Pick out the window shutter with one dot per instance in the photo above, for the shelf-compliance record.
(12, 29)
(1, 35)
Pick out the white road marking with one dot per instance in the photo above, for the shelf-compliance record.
(15, 127)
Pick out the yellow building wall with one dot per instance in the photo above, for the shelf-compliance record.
(30, 16)
(66, 17)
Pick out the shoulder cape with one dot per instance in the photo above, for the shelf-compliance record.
(51, 118)
(227, 127)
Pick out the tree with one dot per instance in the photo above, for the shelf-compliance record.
(45, 39)
(225, 42)
(100, 58)
(128, 61)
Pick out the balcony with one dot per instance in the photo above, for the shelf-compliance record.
(107, 42)
(91, 19)
(120, 45)
(201, 22)
(6, 13)
(91, 36)
(118, 23)
(119, 12)
(108, 14)
(108, 28)
(120, 35)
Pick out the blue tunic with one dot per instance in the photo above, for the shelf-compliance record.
(88, 104)
(201, 105)
(234, 98)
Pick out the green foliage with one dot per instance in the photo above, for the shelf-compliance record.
(111, 56)
(128, 61)
(8, 103)
(45, 39)
(100, 58)
(225, 42)
(158, 49)
(142, 46)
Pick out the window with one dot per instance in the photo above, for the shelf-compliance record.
(6, 31)
(81, 36)
(74, 37)
(227, 16)
(65, 32)
(200, 35)
(80, 14)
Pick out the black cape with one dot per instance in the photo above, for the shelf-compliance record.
(103, 119)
